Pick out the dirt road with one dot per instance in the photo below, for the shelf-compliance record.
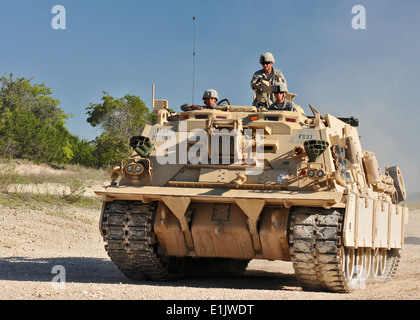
(57, 253)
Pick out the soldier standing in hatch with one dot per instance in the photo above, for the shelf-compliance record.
(269, 74)
(279, 90)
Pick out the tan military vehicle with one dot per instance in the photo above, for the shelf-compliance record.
(208, 190)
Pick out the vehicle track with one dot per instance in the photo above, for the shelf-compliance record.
(132, 245)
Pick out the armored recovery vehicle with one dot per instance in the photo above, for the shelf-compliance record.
(208, 190)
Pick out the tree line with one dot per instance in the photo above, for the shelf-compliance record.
(33, 126)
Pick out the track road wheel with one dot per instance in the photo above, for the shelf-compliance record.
(382, 262)
(349, 260)
(360, 263)
(368, 263)
(376, 263)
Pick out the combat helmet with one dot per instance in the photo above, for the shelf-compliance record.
(279, 87)
(210, 93)
(266, 57)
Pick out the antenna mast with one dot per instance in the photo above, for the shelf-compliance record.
(193, 76)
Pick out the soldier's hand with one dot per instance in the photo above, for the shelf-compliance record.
(257, 86)
(197, 108)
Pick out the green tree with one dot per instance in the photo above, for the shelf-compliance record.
(83, 152)
(119, 120)
(21, 95)
(32, 126)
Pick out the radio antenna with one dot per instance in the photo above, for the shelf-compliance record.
(193, 75)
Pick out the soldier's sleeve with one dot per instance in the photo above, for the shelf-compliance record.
(255, 78)
(186, 107)
(293, 106)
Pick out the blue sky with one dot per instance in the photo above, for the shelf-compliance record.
(126, 46)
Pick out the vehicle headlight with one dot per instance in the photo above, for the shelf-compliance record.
(311, 173)
(320, 173)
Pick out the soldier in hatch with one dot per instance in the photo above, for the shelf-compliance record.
(279, 89)
(210, 98)
(263, 79)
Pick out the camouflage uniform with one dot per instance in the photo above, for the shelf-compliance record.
(287, 105)
(273, 77)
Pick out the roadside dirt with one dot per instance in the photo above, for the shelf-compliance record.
(32, 242)
(38, 246)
